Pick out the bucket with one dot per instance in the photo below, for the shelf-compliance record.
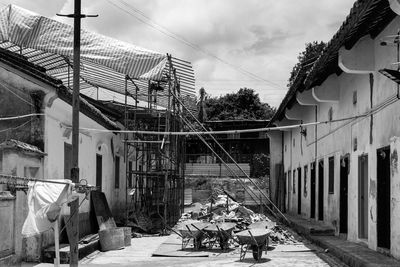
(127, 236)
(111, 239)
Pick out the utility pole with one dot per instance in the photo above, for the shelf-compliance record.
(74, 206)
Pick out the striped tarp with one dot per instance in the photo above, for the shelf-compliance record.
(29, 30)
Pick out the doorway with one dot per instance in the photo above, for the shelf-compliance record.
(298, 190)
(321, 190)
(344, 186)
(313, 188)
(383, 197)
(99, 171)
(363, 196)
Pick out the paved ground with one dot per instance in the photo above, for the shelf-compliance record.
(139, 254)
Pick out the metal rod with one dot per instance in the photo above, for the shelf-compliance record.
(126, 151)
(10, 177)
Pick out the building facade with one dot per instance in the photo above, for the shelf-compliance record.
(340, 157)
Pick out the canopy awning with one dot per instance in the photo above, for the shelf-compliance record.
(105, 62)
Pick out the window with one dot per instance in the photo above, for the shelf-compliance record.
(67, 160)
(331, 177)
(289, 180)
(99, 171)
(130, 177)
(294, 181)
(305, 180)
(1, 161)
(116, 174)
(355, 144)
(294, 142)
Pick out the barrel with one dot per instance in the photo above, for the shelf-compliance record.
(112, 239)
(127, 236)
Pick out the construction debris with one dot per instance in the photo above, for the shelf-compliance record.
(220, 209)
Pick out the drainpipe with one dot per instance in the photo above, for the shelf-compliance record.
(282, 200)
(315, 137)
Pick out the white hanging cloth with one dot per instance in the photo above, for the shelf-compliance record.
(44, 203)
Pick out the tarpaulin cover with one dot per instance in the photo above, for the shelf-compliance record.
(27, 29)
(44, 204)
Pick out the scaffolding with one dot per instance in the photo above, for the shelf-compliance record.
(156, 175)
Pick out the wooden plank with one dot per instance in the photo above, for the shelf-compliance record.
(102, 211)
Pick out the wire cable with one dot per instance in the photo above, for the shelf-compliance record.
(194, 46)
(21, 116)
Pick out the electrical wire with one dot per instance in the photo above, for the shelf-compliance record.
(12, 91)
(179, 38)
(21, 116)
(373, 111)
(233, 160)
(14, 128)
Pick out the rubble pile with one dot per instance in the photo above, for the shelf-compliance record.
(282, 236)
(223, 209)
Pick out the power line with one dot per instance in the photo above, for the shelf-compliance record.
(179, 38)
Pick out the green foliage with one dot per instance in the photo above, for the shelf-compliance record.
(306, 58)
(259, 165)
(202, 111)
(243, 105)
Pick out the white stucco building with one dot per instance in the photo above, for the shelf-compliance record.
(342, 169)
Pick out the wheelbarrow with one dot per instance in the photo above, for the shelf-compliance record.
(221, 233)
(192, 231)
(257, 239)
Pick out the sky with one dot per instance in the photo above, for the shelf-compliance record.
(231, 44)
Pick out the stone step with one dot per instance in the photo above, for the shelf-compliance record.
(309, 227)
(84, 250)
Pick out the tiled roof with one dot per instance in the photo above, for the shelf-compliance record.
(367, 17)
(11, 143)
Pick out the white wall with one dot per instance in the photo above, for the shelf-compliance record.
(58, 132)
(337, 139)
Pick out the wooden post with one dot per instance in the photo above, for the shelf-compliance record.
(57, 244)
(74, 207)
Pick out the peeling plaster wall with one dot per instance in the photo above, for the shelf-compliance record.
(371, 133)
(275, 139)
(395, 197)
(58, 121)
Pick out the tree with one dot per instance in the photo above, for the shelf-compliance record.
(306, 58)
(245, 104)
(202, 109)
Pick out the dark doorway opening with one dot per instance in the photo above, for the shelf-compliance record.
(344, 186)
(383, 197)
(321, 190)
(99, 171)
(299, 191)
(363, 196)
(312, 189)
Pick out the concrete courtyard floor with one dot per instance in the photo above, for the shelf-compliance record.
(140, 252)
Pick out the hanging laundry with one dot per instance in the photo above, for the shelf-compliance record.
(44, 204)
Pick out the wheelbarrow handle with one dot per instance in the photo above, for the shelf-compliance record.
(223, 231)
(253, 237)
(201, 231)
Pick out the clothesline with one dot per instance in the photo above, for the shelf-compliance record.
(10, 178)
(264, 129)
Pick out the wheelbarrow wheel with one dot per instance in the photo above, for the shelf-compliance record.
(257, 252)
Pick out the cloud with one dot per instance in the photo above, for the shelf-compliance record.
(263, 37)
